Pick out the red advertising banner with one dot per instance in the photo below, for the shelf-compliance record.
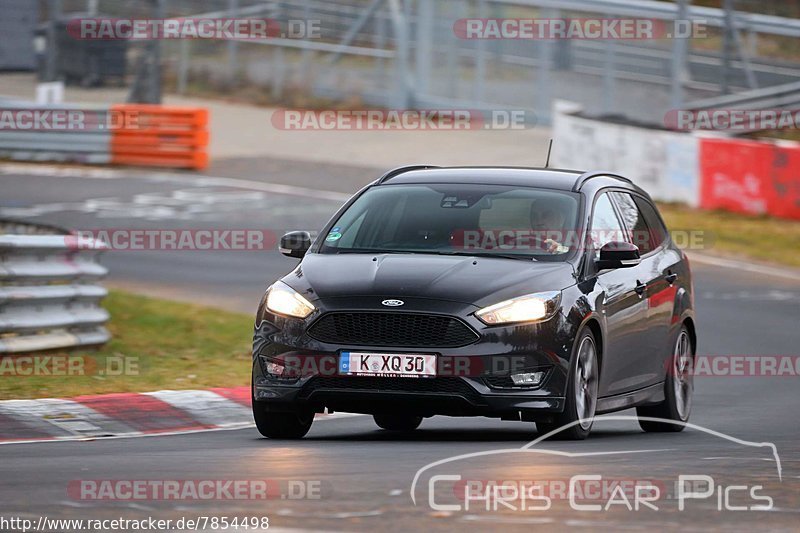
(750, 177)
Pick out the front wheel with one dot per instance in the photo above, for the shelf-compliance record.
(289, 425)
(581, 400)
(398, 422)
(674, 411)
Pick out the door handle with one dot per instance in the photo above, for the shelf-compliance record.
(671, 278)
(640, 287)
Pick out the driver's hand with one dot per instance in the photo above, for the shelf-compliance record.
(554, 247)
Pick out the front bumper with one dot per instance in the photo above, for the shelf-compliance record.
(484, 389)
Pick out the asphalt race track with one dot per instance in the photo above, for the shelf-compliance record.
(362, 477)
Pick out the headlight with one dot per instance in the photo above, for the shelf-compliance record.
(528, 308)
(283, 300)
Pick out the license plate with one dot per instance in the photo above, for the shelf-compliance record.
(387, 364)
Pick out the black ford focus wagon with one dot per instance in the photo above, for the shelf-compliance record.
(539, 295)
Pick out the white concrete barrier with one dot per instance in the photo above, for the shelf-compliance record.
(664, 163)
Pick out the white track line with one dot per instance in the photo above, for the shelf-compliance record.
(733, 264)
(248, 425)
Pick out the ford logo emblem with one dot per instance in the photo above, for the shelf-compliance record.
(393, 303)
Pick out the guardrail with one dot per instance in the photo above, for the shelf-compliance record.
(785, 96)
(25, 136)
(49, 298)
(138, 135)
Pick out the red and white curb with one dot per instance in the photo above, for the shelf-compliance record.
(127, 415)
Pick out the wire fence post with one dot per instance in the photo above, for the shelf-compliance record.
(453, 47)
(233, 45)
(51, 59)
(380, 39)
(402, 81)
(679, 52)
(183, 65)
(425, 14)
(727, 47)
(543, 82)
(609, 78)
(479, 87)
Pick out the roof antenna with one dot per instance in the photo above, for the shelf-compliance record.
(549, 150)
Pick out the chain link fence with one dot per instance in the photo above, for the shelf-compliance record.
(406, 53)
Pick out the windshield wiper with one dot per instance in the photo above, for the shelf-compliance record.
(436, 252)
(489, 254)
(373, 251)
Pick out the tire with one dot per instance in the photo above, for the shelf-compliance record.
(398, 422)
(281, 425)
(581, 397)
(678, 391)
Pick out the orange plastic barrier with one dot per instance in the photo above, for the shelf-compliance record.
(160, 136)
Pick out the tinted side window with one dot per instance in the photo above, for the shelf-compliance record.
(638, 230)
(658, 233)
(606, 226)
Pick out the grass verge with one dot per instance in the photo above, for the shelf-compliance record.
(156, 344)
(764, 239)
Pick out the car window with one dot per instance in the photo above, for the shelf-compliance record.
(637, 229)
(458, 219)
(658, 232)
(606, 226)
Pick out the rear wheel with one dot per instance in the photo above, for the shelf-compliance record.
(398, 422)
(581, 400)
(678, 391)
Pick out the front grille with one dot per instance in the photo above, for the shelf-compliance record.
(449, 386)
(392, 329)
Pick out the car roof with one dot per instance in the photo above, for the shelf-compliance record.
(548, 178)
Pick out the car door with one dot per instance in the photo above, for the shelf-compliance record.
(622, 304)
(672, 275)
(655, 270)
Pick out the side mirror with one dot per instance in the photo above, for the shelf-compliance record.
(618, 255)
(295, 244)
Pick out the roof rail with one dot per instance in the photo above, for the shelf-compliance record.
(583, 178)
(400, 170)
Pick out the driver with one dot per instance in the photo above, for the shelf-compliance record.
(549, 221)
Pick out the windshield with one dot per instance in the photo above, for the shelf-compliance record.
(507, 221)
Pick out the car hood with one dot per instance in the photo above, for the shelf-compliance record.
(473, 280)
